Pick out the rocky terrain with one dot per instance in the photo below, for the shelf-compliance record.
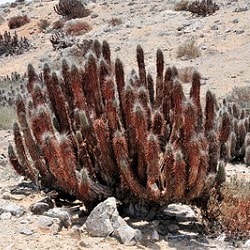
(223, 40)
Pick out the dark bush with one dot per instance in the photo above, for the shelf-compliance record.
(71, 9)
(18, 21)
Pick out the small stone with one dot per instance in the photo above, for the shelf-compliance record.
(5, 216)
(94, 15)
(44, 222)
(107, 29)
(236, 20)
(155, 235)
(62, 214)
(75, 232)
(26, 231)
(9, 196)
(55, 228)
(172, 228)
(238, 32)
(14, 209)
(84, 245)
(128, 235)
(214, 27)
(39, 208)
(180, 212)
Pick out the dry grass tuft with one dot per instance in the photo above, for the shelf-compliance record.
(43, 24)
(188, 50)
(181, 6)
(58, 24)
(76, 27)
(115, 21)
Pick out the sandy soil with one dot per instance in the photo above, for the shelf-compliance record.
(224, 39)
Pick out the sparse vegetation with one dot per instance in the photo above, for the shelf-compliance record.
(18, 21)
(12, 45)
(188, 50)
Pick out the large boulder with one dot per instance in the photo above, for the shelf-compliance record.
(105, 220)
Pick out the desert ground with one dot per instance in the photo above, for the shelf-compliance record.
(223, 40)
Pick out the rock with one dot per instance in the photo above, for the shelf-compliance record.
(54, 225)
(94, 15)
(214, 27)
(42, 206)
(155, 235)
(126, 234)
(26, 231)
(14, 209)
(75, 232)
(39, 208)
(62, 214)
(179, 212)
(9, 196)
(5, 216)
(247, 244)
(172, 228)
(44, 222)
(238, 32)
(104, 220)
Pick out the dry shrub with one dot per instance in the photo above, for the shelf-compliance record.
(18, 21)
(43, 24)
(180, 6)
(115, 21)
(235, 207)
(76, 27)
(58, 24)
(188, 50)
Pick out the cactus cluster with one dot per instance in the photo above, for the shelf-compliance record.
(237, 147)
(92, 134)
(12, 45)
(71, 9)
